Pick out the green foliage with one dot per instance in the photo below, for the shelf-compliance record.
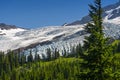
(116, 46)
(98, 55)
(61, 68)
(14, 66)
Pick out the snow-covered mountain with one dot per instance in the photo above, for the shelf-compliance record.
(7, 36)
(39, 40)
(111, 14)
(60, 37)
(48, 37)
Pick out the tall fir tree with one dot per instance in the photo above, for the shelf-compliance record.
(97, 60)
(30, 57)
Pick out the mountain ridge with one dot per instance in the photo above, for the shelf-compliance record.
(60, 37)
(114, 13)
(7, 27)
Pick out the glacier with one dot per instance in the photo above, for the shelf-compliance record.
(40, 39)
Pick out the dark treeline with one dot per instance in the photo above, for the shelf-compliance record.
(15, 66)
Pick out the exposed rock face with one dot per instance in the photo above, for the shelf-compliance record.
(7, 27)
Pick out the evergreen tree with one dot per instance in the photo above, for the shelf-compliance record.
(37, 57)
(48, 54)
(64, 54)
(56, 54)
(16, 60)
(1, 61)
(79, 50)
(98, 53)
(22, 59)
(30, 58)
(118, 47)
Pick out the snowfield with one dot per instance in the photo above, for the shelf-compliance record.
(17, 38)
(60, 37)
(113, 13)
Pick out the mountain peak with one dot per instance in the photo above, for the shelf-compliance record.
(111, 14)
(7, 27)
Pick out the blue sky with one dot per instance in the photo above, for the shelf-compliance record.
(39, 13)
